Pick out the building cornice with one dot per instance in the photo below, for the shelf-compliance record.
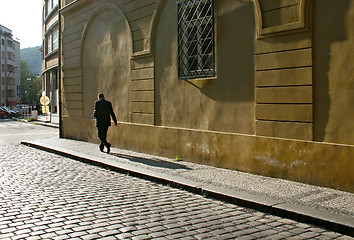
(49, 69)
(51, 54)
(51, 13)
(56, 23)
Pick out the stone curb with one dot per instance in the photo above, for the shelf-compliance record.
(333, 222)
(47, 124)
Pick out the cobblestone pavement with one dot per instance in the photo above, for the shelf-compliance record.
(44, 196)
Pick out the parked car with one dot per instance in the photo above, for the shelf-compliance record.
(13, 113)
(4, 114)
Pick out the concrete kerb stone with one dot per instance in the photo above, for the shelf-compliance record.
(291, 211)
(337, 223)
(47, 124)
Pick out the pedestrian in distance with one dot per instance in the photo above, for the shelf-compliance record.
(103, 112)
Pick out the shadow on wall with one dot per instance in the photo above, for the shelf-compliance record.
(165, 54)
(235, 35)
(329, 27)
(225, 104)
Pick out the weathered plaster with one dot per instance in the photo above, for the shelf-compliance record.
(317, 163)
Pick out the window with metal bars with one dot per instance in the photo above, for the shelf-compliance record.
(196, 39)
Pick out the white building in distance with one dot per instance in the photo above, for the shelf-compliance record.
(10, 64)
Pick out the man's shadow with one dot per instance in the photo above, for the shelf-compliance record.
(152, 162)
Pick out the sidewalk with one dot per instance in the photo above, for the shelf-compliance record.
(324, 207)
(49, 120)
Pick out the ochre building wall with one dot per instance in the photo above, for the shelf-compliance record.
(333, 71)
(224, 103)
(280, 104)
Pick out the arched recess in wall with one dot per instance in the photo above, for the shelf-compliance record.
(106, 53)
(163, 48)
(154, 24)
(279, 17)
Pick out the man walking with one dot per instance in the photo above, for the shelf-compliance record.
(103, 112)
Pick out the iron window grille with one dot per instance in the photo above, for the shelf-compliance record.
(196, 39)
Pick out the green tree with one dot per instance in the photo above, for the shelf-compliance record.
(33, 57)
(31, 85)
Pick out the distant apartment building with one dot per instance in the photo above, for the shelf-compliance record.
(50, 49)
(10, 63)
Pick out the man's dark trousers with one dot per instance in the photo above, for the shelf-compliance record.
(102, 135)
(103, 113)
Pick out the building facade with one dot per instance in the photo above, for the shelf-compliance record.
(259, 86)
(50, 50)
(10, 73)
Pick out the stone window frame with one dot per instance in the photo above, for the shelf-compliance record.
(202, 52)
(299, 26)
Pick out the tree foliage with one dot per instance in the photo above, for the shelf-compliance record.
(33, 57)
(31, 85)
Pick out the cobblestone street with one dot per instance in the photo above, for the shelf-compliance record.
(45, 196)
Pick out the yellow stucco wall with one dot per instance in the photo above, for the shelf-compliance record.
(223, 103)
(334, 71)
(309, 162)
(283, 69)
(106, 53)
(280, 105)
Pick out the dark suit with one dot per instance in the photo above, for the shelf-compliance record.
(103, 112)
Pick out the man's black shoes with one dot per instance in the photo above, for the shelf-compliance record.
(108, 147)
